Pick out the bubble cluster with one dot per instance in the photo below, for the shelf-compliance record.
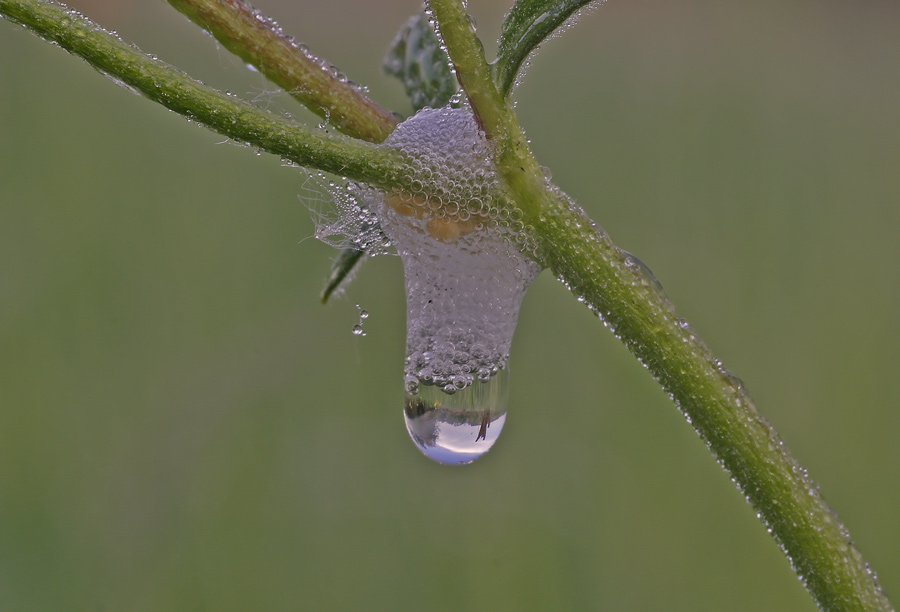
(354, 224)
(456, 188)
(300, 48)
(358, 328)
(465, 276)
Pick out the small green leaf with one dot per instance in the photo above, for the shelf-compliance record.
(342, 270)
(528, 23)
(417, 58)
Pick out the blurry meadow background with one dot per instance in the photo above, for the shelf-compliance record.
(183, 426)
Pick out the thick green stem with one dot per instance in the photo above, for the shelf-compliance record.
(627, 298)
(714, 401)
(259, 41)
(225, 114)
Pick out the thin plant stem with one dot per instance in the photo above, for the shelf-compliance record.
(472, 71)
(218, 111)
(629, 301)
(525, 27)
(260, 42)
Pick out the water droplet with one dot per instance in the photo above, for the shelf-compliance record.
(363, 315)
(458, 428)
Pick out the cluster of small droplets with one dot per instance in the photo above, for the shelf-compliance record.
(570, 21)
(451, 160)
(354, 225)
(77, 19)
(327, 67)
(429, 14)
(358, 328)
(465, 274)
(332, 70)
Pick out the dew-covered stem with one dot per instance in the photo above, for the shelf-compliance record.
(472, 71)
(714, 401)
(717, 405)
(178, 92)
(617, 288)
(527, 25)
(260, 42)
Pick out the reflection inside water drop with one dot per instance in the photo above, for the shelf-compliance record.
(458, 428)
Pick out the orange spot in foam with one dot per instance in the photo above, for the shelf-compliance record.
(443, 227)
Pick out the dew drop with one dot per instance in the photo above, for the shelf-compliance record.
(458, 428)
(363, 315)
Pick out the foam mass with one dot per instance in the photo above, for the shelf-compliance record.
(465, 275)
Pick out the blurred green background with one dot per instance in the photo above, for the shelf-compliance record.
(184, 427)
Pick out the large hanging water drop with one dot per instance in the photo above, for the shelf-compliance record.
(465, 280)
(460, 427)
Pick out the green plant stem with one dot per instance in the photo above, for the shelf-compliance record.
(225, 114)
(513, 157)
(713, 400)
(627, 298)
(526, 26)
(472, 71)
(259, 41)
